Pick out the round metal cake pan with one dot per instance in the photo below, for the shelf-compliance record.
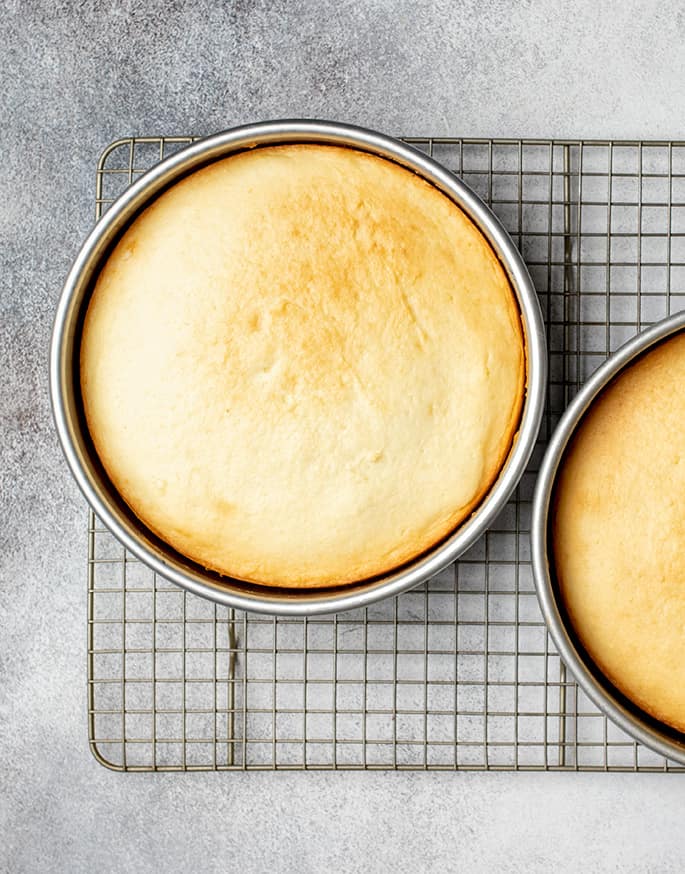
(648, 731)
(65, 391)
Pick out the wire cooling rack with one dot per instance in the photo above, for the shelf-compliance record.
(460, 673)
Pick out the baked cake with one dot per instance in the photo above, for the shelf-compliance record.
(619, 532)
(302, 365)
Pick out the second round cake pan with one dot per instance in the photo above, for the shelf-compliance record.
(662, 739)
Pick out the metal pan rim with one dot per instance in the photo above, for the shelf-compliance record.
(75, 294)
(599, 691)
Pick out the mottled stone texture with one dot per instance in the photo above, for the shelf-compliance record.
(73, 77)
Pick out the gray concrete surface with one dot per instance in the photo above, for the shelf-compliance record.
(75, 76)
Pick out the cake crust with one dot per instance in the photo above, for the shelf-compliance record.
(619, 532)
(302, 366)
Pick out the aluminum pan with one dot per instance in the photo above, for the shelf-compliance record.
(64, 372)
(643, 728)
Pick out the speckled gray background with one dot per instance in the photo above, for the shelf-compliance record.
(77, 75)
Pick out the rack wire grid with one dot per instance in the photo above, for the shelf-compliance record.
(460, 673)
